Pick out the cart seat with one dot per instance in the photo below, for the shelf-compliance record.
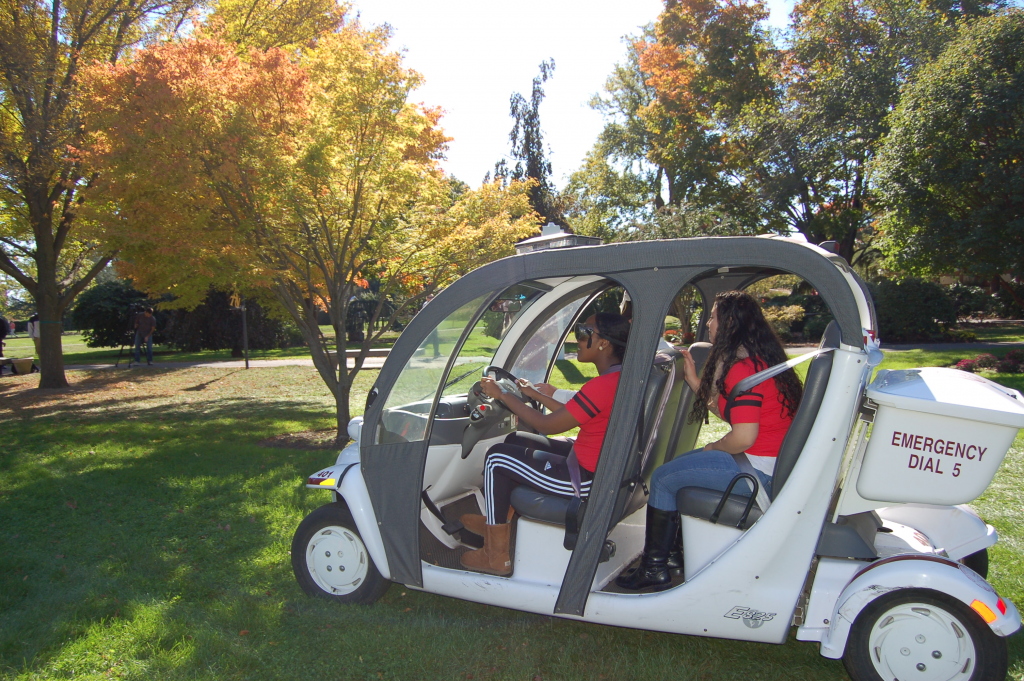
(536, 505)
(701, 502)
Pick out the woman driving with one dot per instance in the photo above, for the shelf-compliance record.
(743, 344)
(526, 459)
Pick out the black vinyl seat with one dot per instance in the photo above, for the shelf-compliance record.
(534, 504)
(701, 502)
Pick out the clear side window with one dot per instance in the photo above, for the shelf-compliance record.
(483, 341)
(407, 410)
(540, 350)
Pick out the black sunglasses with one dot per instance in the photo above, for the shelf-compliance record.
(586, 331)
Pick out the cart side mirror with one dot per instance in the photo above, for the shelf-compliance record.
(355, 428)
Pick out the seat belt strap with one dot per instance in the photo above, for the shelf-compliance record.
(751, 382)
(746, 467)
(575, 477)
(773, 371)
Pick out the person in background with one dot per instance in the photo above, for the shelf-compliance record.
(145, 325)
(33, 331)
(5, 328)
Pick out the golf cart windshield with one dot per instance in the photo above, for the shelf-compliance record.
(471, 334)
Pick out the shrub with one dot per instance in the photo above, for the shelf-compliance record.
(781, 319)
(815, 327)
(960, 336)
(213, 325)
(106, 314)
(967, 365)
(1003, 304)
(969, 301)
(1008, 366)
(986, 361)
(912, 310)
(1016, 356)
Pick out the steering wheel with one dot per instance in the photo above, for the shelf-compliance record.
(484, 411)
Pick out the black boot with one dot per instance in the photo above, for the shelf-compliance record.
(661, 533)
(675, 556)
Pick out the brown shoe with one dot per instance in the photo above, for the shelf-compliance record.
(493, 558)
(475, 522)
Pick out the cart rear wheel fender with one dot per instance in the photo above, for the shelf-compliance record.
(913, 572)
(347, 485)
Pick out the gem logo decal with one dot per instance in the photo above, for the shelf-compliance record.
(752, 618)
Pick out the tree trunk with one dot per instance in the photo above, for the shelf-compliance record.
(47, 297)
(341, 398)
(51, 351)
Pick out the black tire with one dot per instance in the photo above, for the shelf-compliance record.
(987, 663)
(978, 562)
(330, 533)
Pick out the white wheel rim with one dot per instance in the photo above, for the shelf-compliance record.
(337, 560)
(921, 642)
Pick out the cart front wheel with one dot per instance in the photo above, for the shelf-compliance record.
(330, 560)
(923, 635)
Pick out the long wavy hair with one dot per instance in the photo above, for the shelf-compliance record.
(741, 324)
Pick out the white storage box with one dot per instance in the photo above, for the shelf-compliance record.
(938, 437)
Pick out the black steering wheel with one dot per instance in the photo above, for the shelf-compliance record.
(500, 373)
(484, 411)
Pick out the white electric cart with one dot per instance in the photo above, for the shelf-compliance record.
(864, 545)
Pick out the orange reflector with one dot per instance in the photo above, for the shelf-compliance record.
(1001, 606)
(983, 610)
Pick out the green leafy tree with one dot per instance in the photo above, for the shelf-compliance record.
(44, 243)
(710, 60)
(806, 150)
(951, 173)
(530, 158)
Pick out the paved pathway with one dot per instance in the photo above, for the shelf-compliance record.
(370, 363)
(967, 348)
(378, 362)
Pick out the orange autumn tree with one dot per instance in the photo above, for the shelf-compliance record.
(301, 174)
(708, 60)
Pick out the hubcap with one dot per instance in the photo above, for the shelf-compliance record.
(921, 642)
(337, 560)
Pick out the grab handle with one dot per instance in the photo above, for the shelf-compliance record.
(725, 497)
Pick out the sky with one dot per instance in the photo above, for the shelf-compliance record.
(475, 54)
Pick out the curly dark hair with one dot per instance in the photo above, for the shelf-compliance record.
(742, 324)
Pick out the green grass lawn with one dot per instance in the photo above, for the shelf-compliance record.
(144, 534)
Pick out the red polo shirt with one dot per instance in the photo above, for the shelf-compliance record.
(591, 406)
(762, 406)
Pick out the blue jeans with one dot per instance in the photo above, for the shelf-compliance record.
(712, 469)
(149, 348)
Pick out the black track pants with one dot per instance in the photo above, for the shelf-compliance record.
(520, 461)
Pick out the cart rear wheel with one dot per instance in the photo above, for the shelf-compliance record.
(330, 560)
(923, 635)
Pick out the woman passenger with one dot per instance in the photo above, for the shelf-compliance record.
(742, 344)
(520, 461)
